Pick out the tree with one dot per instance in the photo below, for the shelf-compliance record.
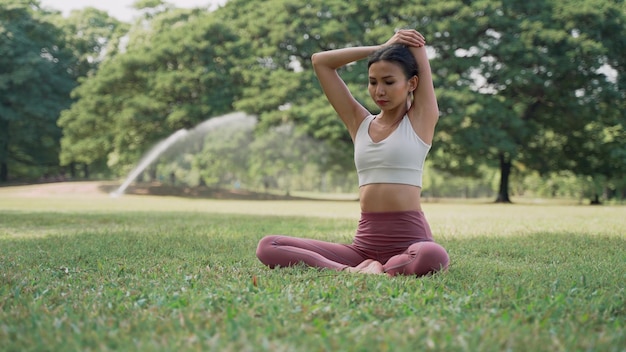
(225, 153)
(597, 149)
(174, 74)
(280, 153)
(34, 88)
(93, 36)
(514, 75)
(279, 84)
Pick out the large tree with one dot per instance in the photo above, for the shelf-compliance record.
(174, 73)
(92, 36)
(597, 150)
(34, 87)
(521, 80)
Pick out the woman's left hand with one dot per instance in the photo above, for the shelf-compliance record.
(408, 37)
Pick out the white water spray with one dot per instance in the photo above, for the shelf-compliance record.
(180, 135)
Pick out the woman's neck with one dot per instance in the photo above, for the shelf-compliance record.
(391, 116)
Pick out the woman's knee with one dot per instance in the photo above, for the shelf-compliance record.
(262, 249)
(433, 256)
(427, 258)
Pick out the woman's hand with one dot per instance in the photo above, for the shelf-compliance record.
(408, 37)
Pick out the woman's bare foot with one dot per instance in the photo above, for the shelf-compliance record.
(373, 268)
(368, 266)
(358, 268)
(364, 264)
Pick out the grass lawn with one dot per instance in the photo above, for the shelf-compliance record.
(83, 271)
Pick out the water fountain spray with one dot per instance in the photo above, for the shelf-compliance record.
(148, 159)
(164, 145)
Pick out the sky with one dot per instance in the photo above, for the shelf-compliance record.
(120, 9)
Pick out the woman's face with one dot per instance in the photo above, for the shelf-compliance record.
(388, 86)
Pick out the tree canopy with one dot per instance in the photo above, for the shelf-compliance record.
(522, 86)
(530, 83)
(34, 87)
(173, 73)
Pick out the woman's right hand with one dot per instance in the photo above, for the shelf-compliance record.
(408, 37)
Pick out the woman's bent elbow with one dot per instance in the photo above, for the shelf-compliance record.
(315, 59)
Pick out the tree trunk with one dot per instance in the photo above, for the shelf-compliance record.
(86, 171)
(4, 172)
(596, 199)
(505, 171)
(153, 174)
(4, 150)
(73, 170)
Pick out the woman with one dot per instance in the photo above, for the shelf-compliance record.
(393, 236)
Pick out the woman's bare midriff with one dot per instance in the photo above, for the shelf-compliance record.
(388, 197)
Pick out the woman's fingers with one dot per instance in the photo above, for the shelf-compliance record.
(409, 37)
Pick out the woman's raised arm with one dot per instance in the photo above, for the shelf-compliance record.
(325, 64)
(424, 108)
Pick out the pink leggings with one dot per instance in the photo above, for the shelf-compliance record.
(401, 241)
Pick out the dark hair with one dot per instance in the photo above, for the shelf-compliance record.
(398, 54)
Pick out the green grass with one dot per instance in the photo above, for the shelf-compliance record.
(148, 273)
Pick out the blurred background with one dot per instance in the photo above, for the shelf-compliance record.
(531, 94)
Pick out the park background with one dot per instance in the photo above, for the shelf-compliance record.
(531, 95)
(532, 110)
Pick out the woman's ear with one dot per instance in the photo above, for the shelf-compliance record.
(413, 83)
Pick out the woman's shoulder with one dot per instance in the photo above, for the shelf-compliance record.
(424, 126)
(359, 121)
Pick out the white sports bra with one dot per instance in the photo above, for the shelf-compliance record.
(399, 158)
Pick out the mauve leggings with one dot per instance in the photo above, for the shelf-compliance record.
(401, 241)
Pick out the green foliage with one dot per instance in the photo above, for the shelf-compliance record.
(532, 86)
(280, 154)
(231, 155)
(224, 157)
(173, 74)
(34, 88)
(279, 83)
(528, 84)
(515, 80)
(92, 35)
